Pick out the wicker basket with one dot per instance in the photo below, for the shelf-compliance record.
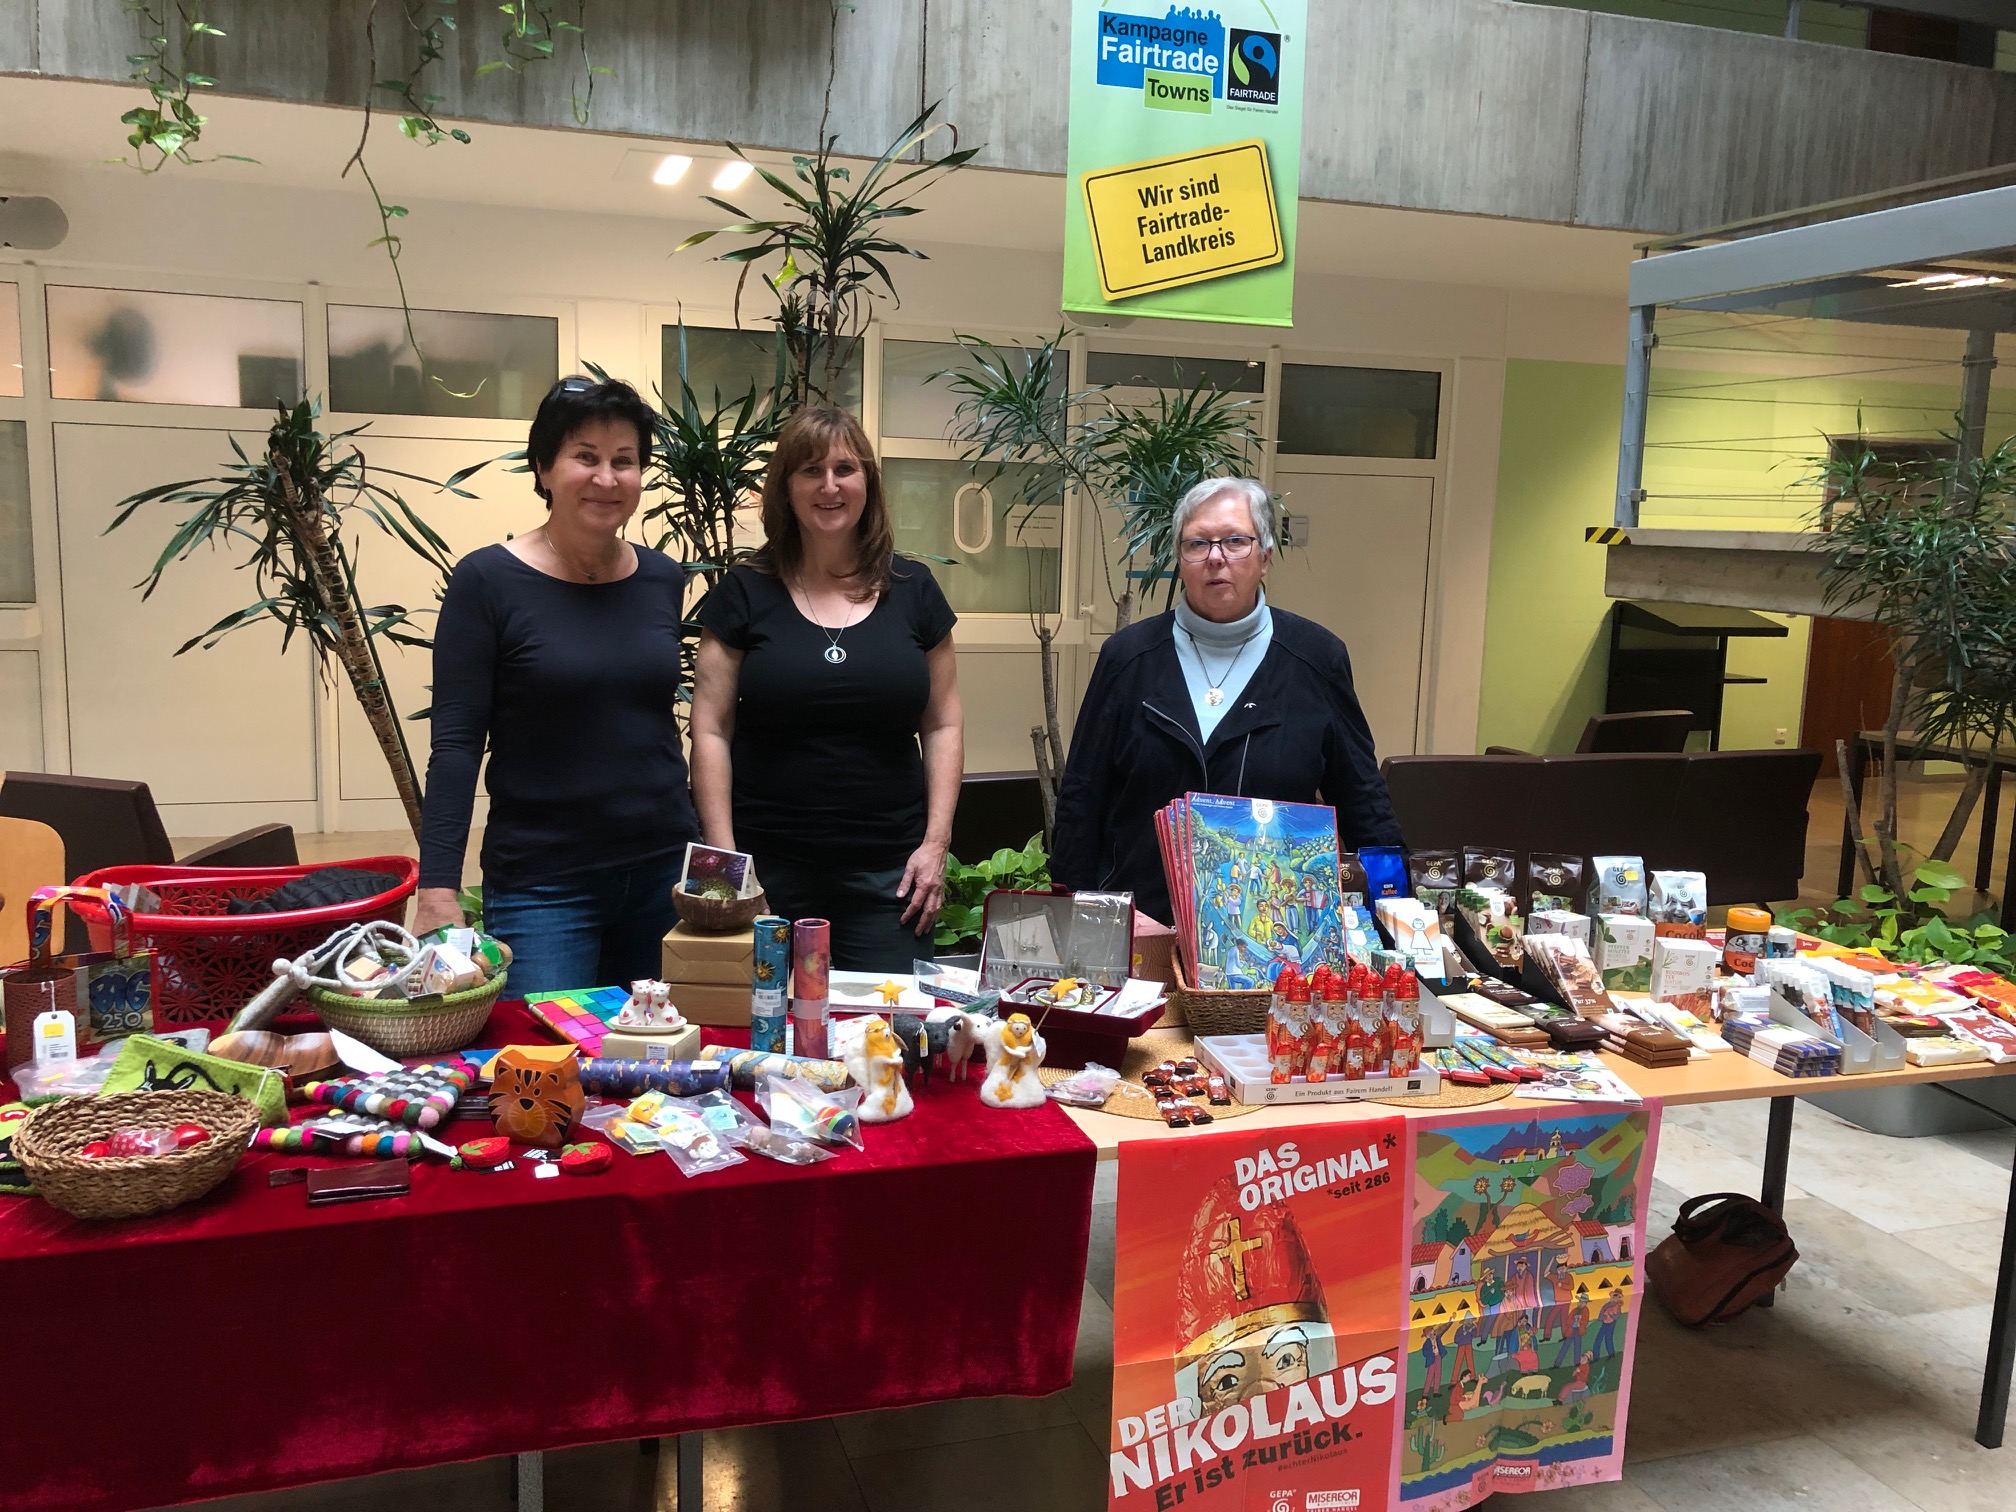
(716, 915)
(48, 1141)
(1212, 1011)
(399, 1028)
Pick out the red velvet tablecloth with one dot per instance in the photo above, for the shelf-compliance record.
(248, 1342)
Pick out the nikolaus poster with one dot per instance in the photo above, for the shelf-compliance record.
(1183, 162)
(1256, 1334)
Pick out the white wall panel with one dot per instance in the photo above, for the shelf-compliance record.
(234, 724)
(20, 711)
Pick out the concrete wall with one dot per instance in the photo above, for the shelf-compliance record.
(1480, 106)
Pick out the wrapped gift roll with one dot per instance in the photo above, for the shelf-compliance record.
(633, 1078)
(749, 1067)
(769, 984)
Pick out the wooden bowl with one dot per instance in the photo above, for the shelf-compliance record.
(704, 915)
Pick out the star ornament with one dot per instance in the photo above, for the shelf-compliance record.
(891, 993)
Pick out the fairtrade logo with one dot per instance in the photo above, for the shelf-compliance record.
(1253, 60)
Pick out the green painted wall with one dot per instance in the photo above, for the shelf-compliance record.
(1725, 450)
(1546, 633)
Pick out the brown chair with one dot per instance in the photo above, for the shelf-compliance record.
(31, 856)
(1648, 730)
(107, 822)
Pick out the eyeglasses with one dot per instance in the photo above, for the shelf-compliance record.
(1235, 548)
(575, 385)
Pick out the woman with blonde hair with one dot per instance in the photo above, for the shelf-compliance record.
(827, 735)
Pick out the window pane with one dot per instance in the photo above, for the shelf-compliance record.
(1358, 412)
(733, 362)
(1228, 375)
(912, 405)
(10, 342)
(486, 367)
(995, 569)
(17, 540)
(173, 348)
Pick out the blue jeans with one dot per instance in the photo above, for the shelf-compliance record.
(600, 929)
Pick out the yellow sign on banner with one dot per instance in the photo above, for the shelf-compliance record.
(1179, 220)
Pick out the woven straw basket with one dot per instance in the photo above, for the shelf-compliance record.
(48, 1141)
(718, 915)
(400, 1028)
(1213, 1011)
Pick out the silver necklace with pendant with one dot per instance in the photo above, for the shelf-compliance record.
(834, 653)
(1214, 687)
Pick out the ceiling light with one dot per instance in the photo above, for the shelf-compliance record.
(671, 168)
(733, 176)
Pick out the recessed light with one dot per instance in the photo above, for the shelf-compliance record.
(733, 176)
(671, 168)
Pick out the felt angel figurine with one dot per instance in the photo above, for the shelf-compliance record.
(875, 1061)
(1014, 1051)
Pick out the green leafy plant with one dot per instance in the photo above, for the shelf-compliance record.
(170, 125)
(1015, 409)
(471, 899)
(966, 888)
(832, 242)
(1924, 547)
(296, 509)
(1911, 927)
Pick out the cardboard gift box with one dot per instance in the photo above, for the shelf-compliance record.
(709, 974)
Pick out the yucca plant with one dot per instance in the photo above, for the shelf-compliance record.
(1016, 410)
(832, 246)
(1925, 548)
(708, 461)
(297, 508)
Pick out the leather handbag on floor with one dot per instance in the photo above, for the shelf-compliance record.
(1725, 1252)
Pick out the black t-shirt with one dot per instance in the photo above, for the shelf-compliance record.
(573, 686)
(827, 761)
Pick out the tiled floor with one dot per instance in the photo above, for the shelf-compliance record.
(1857, 1392)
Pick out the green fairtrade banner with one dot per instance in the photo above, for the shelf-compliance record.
(1185, 149)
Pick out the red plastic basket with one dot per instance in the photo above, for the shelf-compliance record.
(214, 962)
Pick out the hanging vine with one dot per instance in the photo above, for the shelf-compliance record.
(166, 129)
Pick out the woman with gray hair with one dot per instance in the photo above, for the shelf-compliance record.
(1223, 694)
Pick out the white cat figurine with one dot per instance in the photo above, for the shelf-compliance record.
(1014, 1051)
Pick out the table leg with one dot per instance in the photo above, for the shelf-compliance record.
(2001, 1337)
(1991, 806)
(691, 1494)
(1777, 1156)
(531, 1484)
(1858, 759)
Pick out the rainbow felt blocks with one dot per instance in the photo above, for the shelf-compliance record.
(418, 1098)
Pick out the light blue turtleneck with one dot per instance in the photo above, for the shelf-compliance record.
(1231, 650)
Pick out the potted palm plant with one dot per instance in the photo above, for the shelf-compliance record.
(294, 510)
(1136, 459)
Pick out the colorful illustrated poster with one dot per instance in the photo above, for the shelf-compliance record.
(1265, 888)
(1524, 1278)
(1254, 1336)
(1184, 157)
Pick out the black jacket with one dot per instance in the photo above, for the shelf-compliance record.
(1294, 734)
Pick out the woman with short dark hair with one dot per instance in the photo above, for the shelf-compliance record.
(827, 737)
(559, 649)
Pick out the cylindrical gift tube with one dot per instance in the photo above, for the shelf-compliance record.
(811, 959)
(811, 971)
(632, 1078)
(748, 1068)
(808, 1027)
(770, 982)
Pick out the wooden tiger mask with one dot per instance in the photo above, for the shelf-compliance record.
(535, 1094)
